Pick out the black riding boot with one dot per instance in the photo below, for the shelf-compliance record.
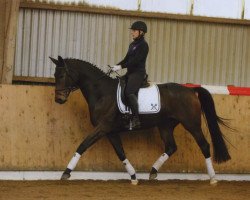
(133, 103)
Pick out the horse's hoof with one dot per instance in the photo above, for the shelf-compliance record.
(152, 176)
(213, 181)
(65, 176)
(134, 182)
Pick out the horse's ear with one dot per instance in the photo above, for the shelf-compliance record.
(54, 61)
(60, 59)
(62, 62)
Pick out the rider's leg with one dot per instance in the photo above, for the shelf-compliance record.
(133, 85)
(133, 103)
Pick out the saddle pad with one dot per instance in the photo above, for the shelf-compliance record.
(148, 99)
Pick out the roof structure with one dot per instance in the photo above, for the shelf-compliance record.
(230, 9)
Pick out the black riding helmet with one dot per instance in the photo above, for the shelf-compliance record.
(139, 25)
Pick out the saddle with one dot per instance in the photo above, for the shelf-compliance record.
(148, 97)
(123, 82)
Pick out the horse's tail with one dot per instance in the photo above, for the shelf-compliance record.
(207, 105)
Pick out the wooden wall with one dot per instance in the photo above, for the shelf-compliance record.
(38, 134)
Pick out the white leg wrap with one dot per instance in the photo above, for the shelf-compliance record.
(210, 169)
(74, 161)
(129, 167)
(160, 161)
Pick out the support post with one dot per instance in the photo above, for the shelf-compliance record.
(11, 18)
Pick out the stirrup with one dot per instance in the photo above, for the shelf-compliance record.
(134, 123)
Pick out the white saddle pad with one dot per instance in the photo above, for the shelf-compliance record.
(148, 99)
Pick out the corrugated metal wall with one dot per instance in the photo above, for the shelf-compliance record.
(180, 51)
(192, 52)
(100, 39)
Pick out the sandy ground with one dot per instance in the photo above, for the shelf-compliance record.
(120, 190)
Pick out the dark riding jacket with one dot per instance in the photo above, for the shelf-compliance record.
(135, 59)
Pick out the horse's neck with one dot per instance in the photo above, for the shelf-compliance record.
(94, 89)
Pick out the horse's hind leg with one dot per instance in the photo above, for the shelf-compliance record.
(205, 148)
(166, 132)
(115, 140)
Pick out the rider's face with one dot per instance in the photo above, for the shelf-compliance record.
(135, 34)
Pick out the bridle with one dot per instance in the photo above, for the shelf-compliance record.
(67, 90)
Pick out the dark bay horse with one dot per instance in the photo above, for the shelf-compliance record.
(179, 104)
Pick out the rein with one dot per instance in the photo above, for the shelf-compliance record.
(108, 73)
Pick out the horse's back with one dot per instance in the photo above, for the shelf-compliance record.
(177, 96)
(174, 88)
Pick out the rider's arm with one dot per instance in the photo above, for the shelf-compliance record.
(141, 55)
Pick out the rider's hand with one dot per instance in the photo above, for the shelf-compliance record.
(116, 68)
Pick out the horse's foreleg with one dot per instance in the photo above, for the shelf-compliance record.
(115, 140)
(161, 160)
(87, 142)
(170, 147)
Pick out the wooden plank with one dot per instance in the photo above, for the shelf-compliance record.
(33, 79)
(11, 18)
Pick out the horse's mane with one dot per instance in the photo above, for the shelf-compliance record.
(80, 63)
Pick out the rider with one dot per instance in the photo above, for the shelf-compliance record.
(134, 61)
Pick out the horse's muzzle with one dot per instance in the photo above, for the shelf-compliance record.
(60, 101)
(60, 98)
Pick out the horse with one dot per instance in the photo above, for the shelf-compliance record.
(179, 105)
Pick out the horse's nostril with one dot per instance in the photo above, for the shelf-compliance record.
(60, 101)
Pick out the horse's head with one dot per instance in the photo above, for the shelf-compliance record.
(64, 80)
